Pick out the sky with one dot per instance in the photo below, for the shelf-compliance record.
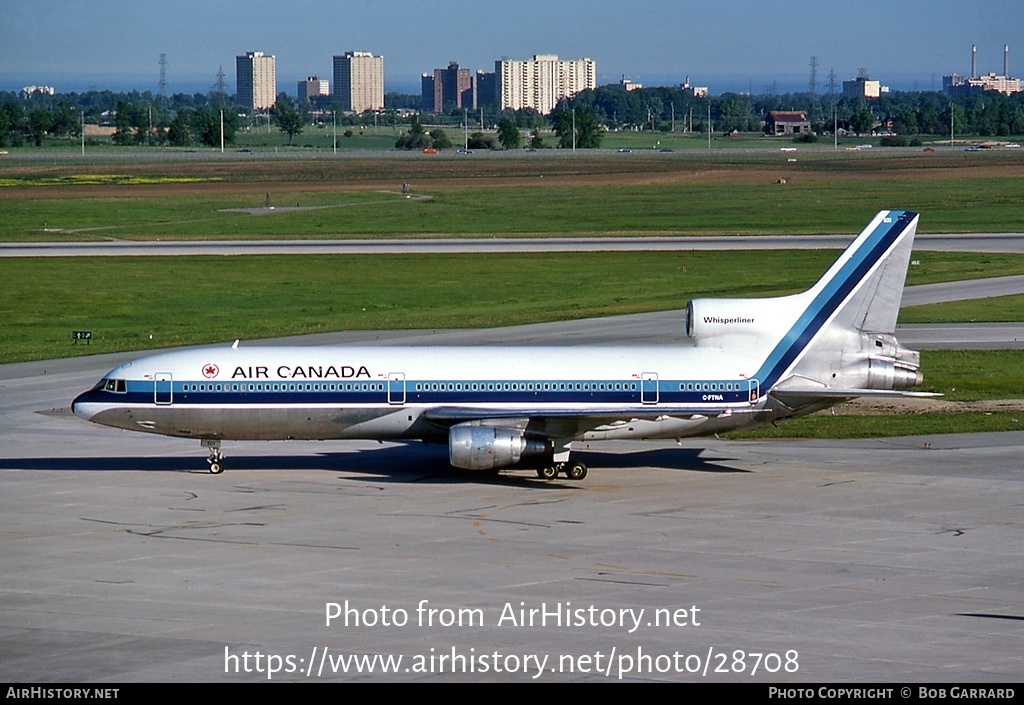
(739, 45)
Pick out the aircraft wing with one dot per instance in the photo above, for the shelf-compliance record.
(450, 415)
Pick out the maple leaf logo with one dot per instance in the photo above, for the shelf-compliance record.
(210, 371)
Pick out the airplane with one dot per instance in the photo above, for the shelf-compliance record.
(752, 362)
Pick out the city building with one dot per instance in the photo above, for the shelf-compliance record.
(359, 81)
(781, 122)
(862, 87)
(955, 84)
(695, 91)
(42, 90)
(448, 88)
(629, 85)
(539, 83)
(487, 90)
(312, 87)
(256, 80)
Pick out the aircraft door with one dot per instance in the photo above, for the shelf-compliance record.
(396, 388)
(163, 388)
(754, 389)
(649, 388)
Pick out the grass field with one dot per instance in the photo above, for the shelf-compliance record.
(888, 426)
(322, 138)
(800, 207)
(189, 300)
(997, 309)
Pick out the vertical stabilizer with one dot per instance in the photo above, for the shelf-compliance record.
(844, 335)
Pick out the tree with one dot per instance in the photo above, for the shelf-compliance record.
(205, 124)
(65, 121)
(15, 119)
(482, 140)
(439, 140)
(862, 121)
(39, 123)
(180, 132)
(287, 119)
(508, 134)
(5, 128)
(588, 132)
(123, 133)
(415, 138)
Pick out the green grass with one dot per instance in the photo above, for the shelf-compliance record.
(887, 426)
(382, 137)
(190, 300)
(319, 139)
(997, 309)
(186, 217)
(185, 300)
(810, 207)
(971, 375)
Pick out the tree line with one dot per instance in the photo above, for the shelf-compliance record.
(907, 113)
(184, 120)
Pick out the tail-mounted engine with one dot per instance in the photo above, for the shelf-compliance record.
(729, 323)
(890, 365)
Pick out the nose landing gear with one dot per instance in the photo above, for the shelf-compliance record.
(216, 459)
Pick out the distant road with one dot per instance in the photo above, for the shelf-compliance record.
(948, 242)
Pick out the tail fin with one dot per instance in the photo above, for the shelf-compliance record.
(838, 333)
(844, 336)
(870, 274)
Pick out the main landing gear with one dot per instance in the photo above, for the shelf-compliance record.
(216, 459)
(574, 470)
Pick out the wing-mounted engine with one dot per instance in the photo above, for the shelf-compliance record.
(473, 446)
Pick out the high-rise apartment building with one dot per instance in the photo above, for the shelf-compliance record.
(359, 81)
(312, 87)
(448, 88)
(256, 80)
(541, 82)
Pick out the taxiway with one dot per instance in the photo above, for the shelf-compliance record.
(893, 560)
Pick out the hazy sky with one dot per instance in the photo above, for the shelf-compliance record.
(733, 45)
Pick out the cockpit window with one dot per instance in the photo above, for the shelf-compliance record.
(112, 385)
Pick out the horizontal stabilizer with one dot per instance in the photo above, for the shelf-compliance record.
(802, 394)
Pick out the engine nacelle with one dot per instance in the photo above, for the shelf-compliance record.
(886, 374)
(890, 365)
(740, 322)
(476, 447)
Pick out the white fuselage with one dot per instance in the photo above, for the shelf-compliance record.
(384, 392)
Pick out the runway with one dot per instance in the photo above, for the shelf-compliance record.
(892, 560)
(947, 242)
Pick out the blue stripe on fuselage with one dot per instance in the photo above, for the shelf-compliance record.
(832, 296)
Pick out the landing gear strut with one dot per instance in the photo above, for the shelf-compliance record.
(216, 459)
(574, 470)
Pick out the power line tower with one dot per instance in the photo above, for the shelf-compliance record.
(814, 109)
(219, 90)
(162, 90)
(832, 107)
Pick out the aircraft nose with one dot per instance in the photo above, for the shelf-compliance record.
(80, 406)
